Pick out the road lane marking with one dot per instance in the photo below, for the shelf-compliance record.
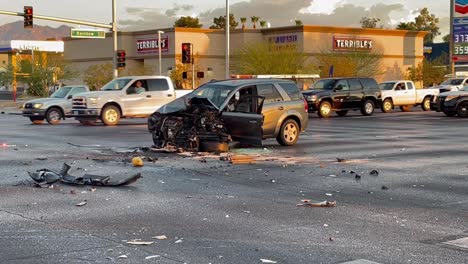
(360, 261)
(461, 242)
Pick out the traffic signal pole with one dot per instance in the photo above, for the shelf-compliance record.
(114, 36)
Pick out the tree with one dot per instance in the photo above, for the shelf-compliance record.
(180, 68)
(446, 38)
(423, 22)
(369, 22)
(95, 76)
(220, 22)
(40, 70)
(254, 20)
(429, 72)
(298, 22)
(243, 20)
(268, 58)
(351, 63)
(188, 22)
(263, 24)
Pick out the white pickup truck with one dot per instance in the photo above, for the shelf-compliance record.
(403, 93)
(132, 96)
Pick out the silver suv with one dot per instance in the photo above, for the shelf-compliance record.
(247, 111)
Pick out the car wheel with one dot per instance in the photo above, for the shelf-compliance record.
(53, 116)
(324, 109)
(289, 133)
(462, 109)
(213, 146)
(342, 112)
(110, 115)
(387, 106)
(426, 104)
(368, 108)
(405, 108)
(449, 113)
(36, 120)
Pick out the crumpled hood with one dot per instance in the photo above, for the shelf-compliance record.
(98, 93)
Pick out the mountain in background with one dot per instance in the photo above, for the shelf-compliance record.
(16, 31)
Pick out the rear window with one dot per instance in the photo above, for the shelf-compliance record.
(292, 90)
(157, 85)
(369, 84)
(355, 85)
(269, 92)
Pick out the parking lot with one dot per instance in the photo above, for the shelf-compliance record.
(215, 212)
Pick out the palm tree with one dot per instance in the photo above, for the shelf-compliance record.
(243, 20)
(263, 23)
(254, 21)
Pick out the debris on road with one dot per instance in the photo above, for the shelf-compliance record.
(384, 187)
(374, 173)
(41, 158)
(137, 162)
(81, 204)
(122, 257)
(267, 261)
(140, 243)
(46, 177)
(242, 159)
(152, 257)
(357, 177)
(179, 241)
(162, 237)
(340, 159)
(317, 204)
(84, 146)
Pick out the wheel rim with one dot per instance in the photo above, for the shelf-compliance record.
(290, 133)
(325, 109)
(369, 108)
(111, 115)
(463, 110)
(427, 104)
(54, 116)
(387, 106)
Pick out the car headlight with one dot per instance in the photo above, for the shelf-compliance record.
(37, 105)
(312, 98)
(93, 100)
(450, 97)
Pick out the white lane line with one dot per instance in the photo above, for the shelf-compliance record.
(462, 242)
(360, 261)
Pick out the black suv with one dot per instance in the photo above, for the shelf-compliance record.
(342, 95)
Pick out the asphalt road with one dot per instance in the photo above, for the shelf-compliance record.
(216, 212)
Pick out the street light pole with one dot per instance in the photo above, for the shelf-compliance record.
(159, 48)
(227, 26)
(114, 36)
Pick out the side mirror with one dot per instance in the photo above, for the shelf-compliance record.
(69, 97)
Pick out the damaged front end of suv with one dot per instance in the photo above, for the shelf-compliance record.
(196, 127)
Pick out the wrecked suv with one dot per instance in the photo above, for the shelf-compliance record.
(246, 111)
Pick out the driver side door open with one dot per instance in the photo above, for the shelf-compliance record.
(244, 123)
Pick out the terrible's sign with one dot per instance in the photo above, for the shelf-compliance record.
(152, 45)
(352, 43)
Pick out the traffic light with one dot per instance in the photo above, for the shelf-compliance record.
(121, 58)
(28, 16)
(186, 53)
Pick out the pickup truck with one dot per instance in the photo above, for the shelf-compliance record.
(452, 84)
(124, 97)
(403, 93)
(54, 108)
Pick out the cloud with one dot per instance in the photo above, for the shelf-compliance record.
(146, 18)
(173, 11)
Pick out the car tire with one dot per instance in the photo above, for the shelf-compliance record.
(462, 109)
(110, 115)
(426, 104)
(368, 108)
(36, 120)
(289, 133)
(54, 115)
(449, 113)
(342, 113)
(324, 109)
(387, 106)
(213, 146)
(405, 108)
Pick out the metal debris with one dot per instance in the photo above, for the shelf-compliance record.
(317, 204)
(81, 204)
(374, 173)
(140, 243)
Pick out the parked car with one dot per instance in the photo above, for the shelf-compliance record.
(403, 93)
(452, 103)
(133, 96)
(54, 108)
(248, 111)
(342, 95)
(452, 84)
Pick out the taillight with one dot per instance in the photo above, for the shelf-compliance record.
(306, 106)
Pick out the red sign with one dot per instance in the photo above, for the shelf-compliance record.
(152, 45)
(352, 43)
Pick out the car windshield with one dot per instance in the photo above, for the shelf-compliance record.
(386, 86)
(115, 85)
(465, 89)
(326, 84)
(453, 82)
(217, 94)
(62, 92)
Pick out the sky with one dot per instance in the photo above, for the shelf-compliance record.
(151, 14)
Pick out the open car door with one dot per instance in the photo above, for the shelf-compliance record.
(244, 124)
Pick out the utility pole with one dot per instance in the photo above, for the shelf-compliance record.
(114, 36)
(227, 26)
(452, 62)
(159, 49)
